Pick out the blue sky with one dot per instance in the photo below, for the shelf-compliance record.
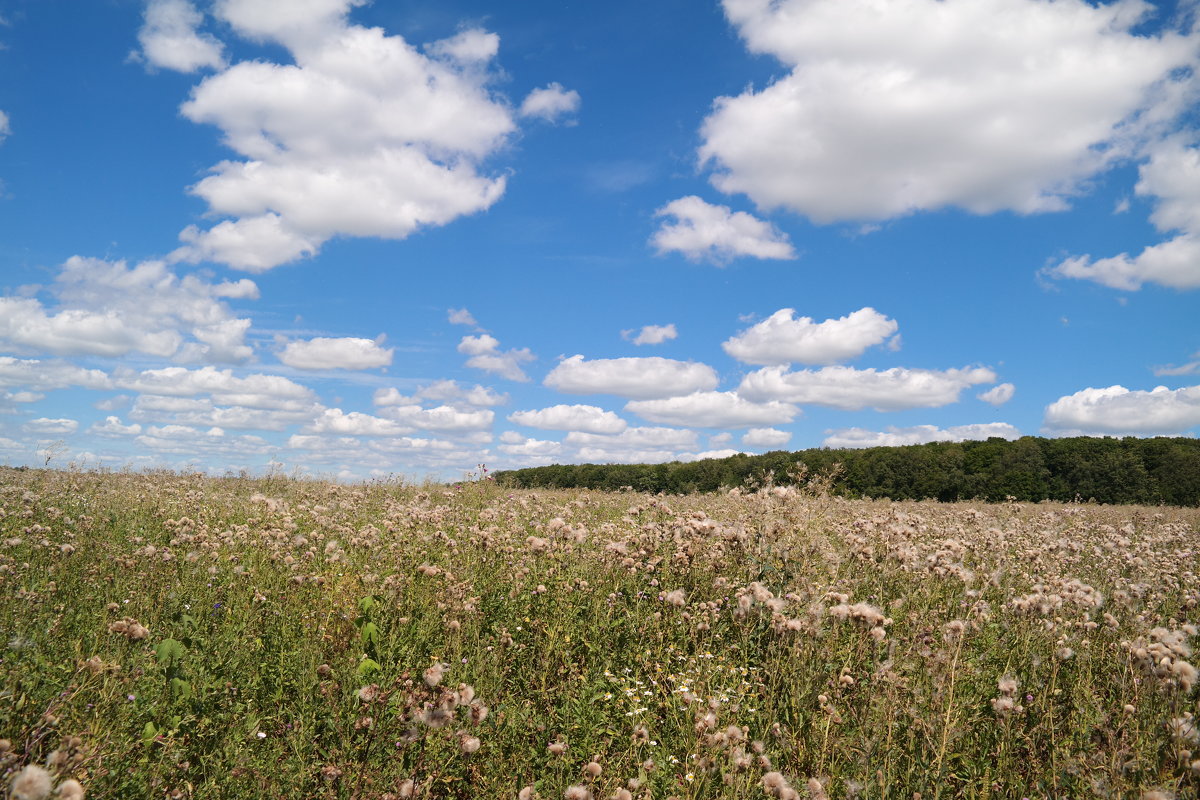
(360, 239)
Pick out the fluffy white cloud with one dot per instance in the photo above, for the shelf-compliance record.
(588, 419)
(362, 134)
(766, 437)
(895, 107)
(5, 127)
(485, 354)
(713, 410)
(999, 394)
(1117, 410)
(651, 334)
(201, 412)
(443, 391)
(918, 434)
(342, 353)
(355, 423)
(441, 418)
(641, 378)
(169, 38)
(631, 446)
(782, 339)
(1172, 176)
(703, 231)
(853, 389)
(106, 308)
(252, 391)
(192, 442)
(550, 103)
(48, 427)
(460, 316)
(45, 375)
(112, 427)
(535, 449)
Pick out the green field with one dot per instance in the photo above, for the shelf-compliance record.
(177, 636)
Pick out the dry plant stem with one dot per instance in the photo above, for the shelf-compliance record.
(948, 719)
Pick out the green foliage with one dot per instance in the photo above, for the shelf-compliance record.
(1030, 469)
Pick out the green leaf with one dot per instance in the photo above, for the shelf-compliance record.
(149, 732)
(367, 666)
(180, 689)
(370, 634)
(169, 652)
(367, 604)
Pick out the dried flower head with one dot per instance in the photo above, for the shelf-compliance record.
(31, 783)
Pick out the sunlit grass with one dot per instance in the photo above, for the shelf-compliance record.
(177, 636)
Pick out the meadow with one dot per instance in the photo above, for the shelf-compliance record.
(177, 636)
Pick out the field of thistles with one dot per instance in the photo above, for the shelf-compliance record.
(177, 636)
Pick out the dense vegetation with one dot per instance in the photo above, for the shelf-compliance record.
(176, 636)
(1030, 469)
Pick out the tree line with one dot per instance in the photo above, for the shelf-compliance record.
(1032, 468)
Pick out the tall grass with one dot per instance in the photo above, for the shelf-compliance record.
(177, 636)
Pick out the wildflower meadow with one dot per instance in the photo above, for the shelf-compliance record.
(173, 635)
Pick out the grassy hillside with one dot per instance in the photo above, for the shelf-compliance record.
(181, 637)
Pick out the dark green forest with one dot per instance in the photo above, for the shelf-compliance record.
(1102, 470)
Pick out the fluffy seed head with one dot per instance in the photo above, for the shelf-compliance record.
(31, 783)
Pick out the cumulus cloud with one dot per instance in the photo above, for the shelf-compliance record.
(253, 391)
(1120, 411)
(106, 308)
(354, 423)
(203, 412)
(713, 410)
(999, 394)
(706, 232)
(766, 437)
(169, 38)
(531, 449)
(342, 353)
(1172, 177)
(112, 427)
(51, 427)
(460, 316)
(639, 439)
(443, 391)
(588, 419)
(485, 354)
(651, 334)
(362, 134)
(853, 389)
(918, 434)
(441, 418)
(892, 108)
(43, 375)
(550, 103)
(783, 339)
(641, 378)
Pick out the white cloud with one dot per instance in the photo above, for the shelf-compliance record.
(782, 339)
(531, 448)
(485, 354)
(51, 427)
(1172, 177)
(112, 427)
(999, 394)
(254, 244)
(342, 353)
(441, 418)
(853, 389)
(45, 375)
(443, 391)
(360, 135)
(1117, 410)
(651, 334)
(766, 437)
(192, 442)
(891, 108)
(703, 231)
(460, 316)
(201, 411)
(253, 391)
(713, 410)
(918, 434)
(355, 423)
(467, 47)
(550, 103)
(588, 419)
(108, 309)
(641, 378)
(5, 127)
(1189, 368)
(635, 439)
(169, 39)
